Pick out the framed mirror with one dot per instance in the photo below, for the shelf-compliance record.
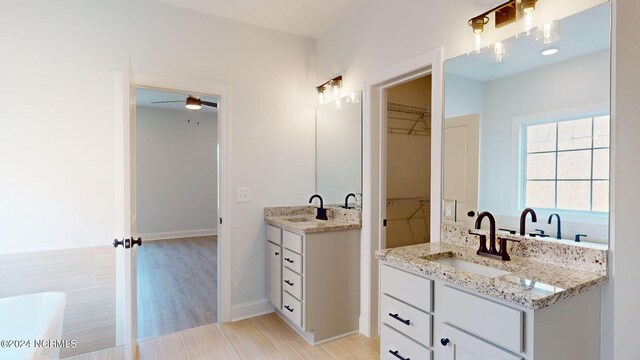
(527, 125)
(339, 149)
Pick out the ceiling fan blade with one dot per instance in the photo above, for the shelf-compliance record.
(209, 103)
(165, 102)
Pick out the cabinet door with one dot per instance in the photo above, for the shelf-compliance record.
(458, 345)
(274, 252)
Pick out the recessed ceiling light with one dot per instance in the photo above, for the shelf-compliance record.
(549, 51)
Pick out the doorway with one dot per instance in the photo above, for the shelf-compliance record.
(408, 163)
(374, 170)
(177, 211)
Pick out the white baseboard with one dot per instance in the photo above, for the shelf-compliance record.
(178, 234)
(251, 309)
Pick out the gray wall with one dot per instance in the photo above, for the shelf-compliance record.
(176, 172)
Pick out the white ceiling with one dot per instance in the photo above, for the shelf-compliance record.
(308, 18)
(145, 98)
(580, 34)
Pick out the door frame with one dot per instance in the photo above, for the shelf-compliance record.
(224, 165)
(374, 170)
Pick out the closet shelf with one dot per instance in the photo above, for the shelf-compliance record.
(408, 113)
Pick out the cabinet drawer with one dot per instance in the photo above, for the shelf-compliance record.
(464, 346)
(292, 308)
(497, 323)
(292, 283)
(412, 289)
(274, 234)
(395, 346)
(408, 320)
(292, 260)
(292, 241)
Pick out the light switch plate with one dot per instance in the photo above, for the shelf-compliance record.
(449, 210)
(243, 194)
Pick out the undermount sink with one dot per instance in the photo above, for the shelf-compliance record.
(300, 219)
(471, 267)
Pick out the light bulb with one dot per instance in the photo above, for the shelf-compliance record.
(478, 41)
(336, 90)
(320, 98)
(528, 19)
(499, 52)
(548, 33)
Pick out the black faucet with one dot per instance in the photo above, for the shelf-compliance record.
(346, 200)
(322, 212)
(578, 236)
(491, 252)
(559, 231)
(523, 219)
(483, 238)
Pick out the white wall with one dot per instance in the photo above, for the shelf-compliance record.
(57, 118)
(176, 172)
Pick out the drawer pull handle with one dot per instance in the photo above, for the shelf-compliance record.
(395, 316)
(288, 308)
(444, 341)
(289, 260)
(288, 282)
(395, 353)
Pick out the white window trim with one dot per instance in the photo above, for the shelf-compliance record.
(517, 143)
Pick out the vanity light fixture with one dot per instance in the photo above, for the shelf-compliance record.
(504, 14)
(550, 51)
(335, 84)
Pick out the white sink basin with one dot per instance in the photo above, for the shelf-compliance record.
(471, 267)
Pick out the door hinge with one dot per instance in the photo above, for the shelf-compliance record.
(384, 222)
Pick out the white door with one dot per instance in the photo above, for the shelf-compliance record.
(461, 157)
(126, 324)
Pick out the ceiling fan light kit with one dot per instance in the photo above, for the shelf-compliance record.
(193, 103)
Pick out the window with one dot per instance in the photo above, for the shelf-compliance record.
(566, 164)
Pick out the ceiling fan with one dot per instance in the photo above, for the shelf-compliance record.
(191, 103)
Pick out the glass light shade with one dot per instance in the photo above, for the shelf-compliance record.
(193, 104)
(499, 52)
(548, 32)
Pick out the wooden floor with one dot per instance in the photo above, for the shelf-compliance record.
(177, 285)
(263, 337)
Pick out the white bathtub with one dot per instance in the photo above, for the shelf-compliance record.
(29, 318)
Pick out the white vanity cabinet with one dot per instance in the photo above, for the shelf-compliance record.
(319, 282)
(467, 325)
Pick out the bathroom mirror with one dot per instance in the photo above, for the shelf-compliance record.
(527, 125)
(339, 149)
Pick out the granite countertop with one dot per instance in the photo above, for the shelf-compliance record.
(339, 219)
(530, 283)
